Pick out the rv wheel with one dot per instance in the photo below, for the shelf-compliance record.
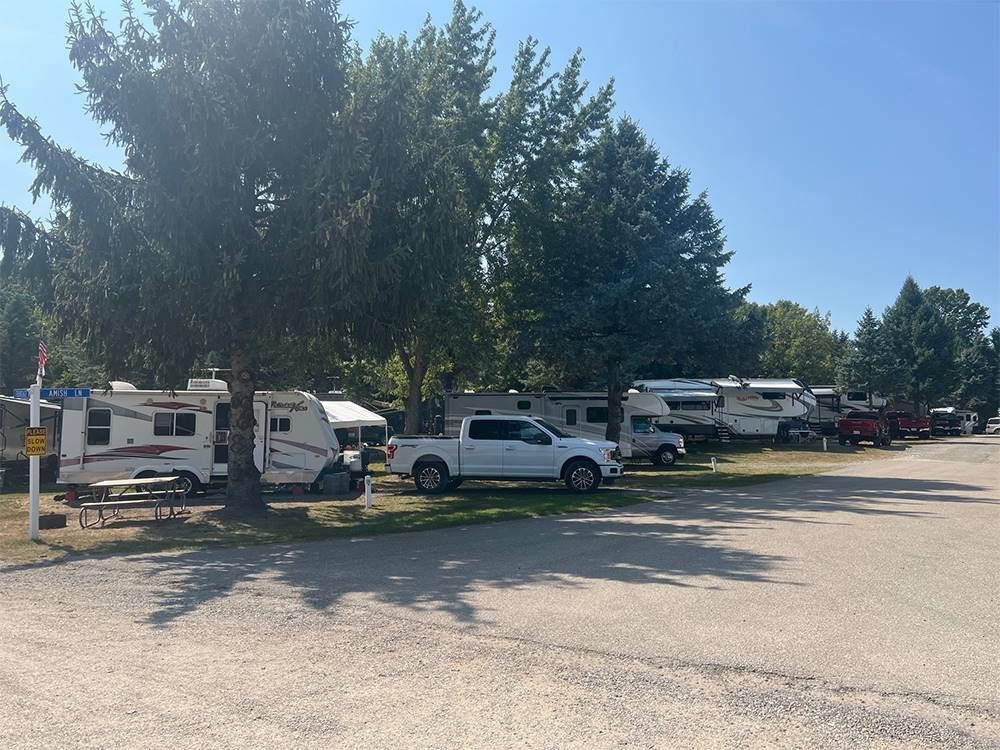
(188, 484)
(665, 456)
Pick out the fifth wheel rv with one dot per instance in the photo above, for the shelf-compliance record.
(124, 433)
(582, 414)
(724, 407)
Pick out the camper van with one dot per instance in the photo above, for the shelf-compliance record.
(15, 415)
(724, 407)
(581, 414)
(833, 403)
(124, 433)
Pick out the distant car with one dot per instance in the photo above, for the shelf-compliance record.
(993, 426)
(905, 423)
(869, 426)
(945, 422)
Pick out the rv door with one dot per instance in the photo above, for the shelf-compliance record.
(220, 437)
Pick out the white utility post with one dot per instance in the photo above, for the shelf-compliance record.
(715, 464)
(368, 491)
(34, 462)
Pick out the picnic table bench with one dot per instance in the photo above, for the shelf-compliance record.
(162, 494)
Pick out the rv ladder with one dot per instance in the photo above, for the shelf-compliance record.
(722, 432)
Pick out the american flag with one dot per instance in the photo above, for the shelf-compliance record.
(43, 357)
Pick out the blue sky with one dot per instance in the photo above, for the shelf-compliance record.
(843, 144)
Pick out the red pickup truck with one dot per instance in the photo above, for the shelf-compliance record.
(905, 423)
(863, 425)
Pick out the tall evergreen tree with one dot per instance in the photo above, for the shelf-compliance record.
(932, 374)
(623, 272)
(897, 331)
(242, 205)
(866, 364)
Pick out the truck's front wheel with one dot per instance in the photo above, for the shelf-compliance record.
(582, 476)
(665, 456)
(430, 478)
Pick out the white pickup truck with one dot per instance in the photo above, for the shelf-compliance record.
(499, 447)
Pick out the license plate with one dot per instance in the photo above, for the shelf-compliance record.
(857, 432)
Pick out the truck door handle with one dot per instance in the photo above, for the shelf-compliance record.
(508, 447)
(470, 447)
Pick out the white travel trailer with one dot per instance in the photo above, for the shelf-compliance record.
(581, 414)
(124, 433)
(720, 407)
(15, 415)
(833, 403)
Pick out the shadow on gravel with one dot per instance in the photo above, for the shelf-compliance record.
(687, 541)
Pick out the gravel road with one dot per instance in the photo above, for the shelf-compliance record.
(856, 609)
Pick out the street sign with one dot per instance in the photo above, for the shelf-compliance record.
(34, 440)
(50, 393)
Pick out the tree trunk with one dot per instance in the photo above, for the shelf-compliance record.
(613, 432)
(415, 367)
(243, 488)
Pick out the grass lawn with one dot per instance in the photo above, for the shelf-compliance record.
(398, 508)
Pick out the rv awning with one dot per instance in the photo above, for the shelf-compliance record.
(687, 395)
(10, 400)
(349, 414)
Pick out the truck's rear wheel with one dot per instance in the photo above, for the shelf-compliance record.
(582, 476)
(430, 478)
(666, 456)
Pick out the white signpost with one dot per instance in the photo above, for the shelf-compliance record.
(35, 394)
(34, 462)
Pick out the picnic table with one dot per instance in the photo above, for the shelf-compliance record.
(162, 494)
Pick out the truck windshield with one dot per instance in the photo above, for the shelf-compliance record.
(552, 428)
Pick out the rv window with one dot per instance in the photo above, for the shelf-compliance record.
(642, 426)
(483, 412)
(527, 433)
(524, 405)
(99, 427)
(597, 414)
(486, 429)
(696, 405)
(163, 423)
(570, 417)
(184, 424)
(674, 405)
(281, 424)
(857, 396)
(772, 395)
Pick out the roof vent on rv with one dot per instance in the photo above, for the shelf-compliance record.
(121, 385)
(207, 384)
(513, 390)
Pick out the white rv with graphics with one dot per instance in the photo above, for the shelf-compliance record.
(581, 414)
(720, 407)
(124, 433)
